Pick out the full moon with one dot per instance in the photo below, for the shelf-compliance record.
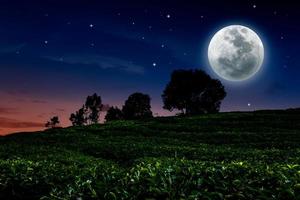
(236, 53)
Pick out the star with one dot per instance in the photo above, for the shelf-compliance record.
(150, 27)
(46, 41)
(168, 16)
(91, 25)
(92, 44)
(17, 52)
(119, 14)
(46, 15)
(162, 46)
(154, 64)
(282, 37)
(143, 38)
(202, 16)
(249, 104)
(133, 23)
(254, 6)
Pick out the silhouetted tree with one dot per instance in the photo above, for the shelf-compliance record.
(113, 113)
(93, 105)
(78, 118)
(54, 121)
(137, 106)
(193, 92)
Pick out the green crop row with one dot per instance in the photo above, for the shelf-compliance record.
(148, 178)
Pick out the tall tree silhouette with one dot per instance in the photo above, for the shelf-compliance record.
(78, 118)
(193, 92)
(113, 113)
(137, 106)
(93, 105)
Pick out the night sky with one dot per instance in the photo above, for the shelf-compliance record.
(55, 53)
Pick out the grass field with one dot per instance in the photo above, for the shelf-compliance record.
(221, 156)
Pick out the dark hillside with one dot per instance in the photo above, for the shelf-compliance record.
(219, 156)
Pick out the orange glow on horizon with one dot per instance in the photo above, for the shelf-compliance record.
(22, 114)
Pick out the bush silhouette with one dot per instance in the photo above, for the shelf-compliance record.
(54, 121)
(113, 113)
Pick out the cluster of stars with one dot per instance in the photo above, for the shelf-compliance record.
(91, 26)
(150, 28)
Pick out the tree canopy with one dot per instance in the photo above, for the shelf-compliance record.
(89, 113)
(93, 105)
(137, 106)
(193, 92)
(78, 118)
(113, 113)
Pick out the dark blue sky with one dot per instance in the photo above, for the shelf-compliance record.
(55, 53)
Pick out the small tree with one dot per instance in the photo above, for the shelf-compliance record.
(78, 118)
(54, 121)
(193, 92)
(113, 113)
(137, 106)
(93, 105)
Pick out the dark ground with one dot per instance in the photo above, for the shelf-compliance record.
(238, 155)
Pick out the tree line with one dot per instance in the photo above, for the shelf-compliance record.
(191, 92)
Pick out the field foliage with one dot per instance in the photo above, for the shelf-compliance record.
(221, 156)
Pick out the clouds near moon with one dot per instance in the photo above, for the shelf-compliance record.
(235, 53)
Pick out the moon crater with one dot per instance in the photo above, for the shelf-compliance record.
(235, 53)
